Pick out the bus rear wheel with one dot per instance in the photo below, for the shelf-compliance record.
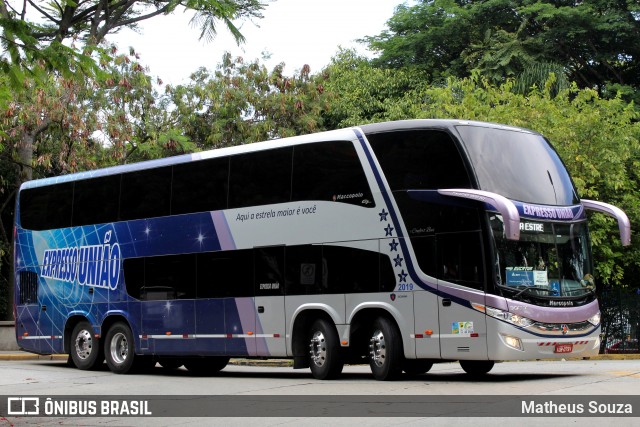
(85, 350)
(325, 359)
(477, 367)
(119, 349)
(385, 352)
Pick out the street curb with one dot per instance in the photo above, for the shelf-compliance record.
(279, 363)
(30, 356)
(63, 357)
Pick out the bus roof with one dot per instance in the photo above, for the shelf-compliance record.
(347, 134)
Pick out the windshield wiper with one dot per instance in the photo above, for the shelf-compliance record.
(528, 288)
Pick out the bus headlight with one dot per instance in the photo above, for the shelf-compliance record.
(595, 319)
(514, 319)
(513, 342)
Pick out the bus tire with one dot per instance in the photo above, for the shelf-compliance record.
(206, 365)
(385, 352)
(119, 349)
(325, 358)
(85, 351)
(416, 366)
(477, 367)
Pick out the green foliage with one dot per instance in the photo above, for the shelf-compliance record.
(362, 93)
(243, 102)
(596, 41)
(598, 139)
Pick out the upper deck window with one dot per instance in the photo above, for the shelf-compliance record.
(520, 166)
(330, 171)
(422, 159)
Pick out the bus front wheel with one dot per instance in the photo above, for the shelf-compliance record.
(119, 349)
(385, 352)
(85, 349)
(325, 359)
(476, 367)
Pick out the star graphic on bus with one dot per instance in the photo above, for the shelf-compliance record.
(402, 276)
(393, 245)
(200, 238)
(383, 215)
(388, 230)
(398, 260)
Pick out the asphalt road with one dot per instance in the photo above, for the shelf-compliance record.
(540, 380)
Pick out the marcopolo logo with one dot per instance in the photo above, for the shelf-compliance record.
(95, 265)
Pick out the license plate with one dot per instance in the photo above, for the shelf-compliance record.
(564, 348)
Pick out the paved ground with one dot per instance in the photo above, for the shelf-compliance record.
(247, 384)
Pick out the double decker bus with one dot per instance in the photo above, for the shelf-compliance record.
(397, 244)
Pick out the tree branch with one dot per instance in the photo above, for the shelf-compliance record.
(137, 19)
(43, 12)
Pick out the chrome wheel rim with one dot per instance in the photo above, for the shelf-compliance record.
(84, 344)
(378, 348)
(318, 349)
(119, 348)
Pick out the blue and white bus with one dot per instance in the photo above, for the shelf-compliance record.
(397, 244)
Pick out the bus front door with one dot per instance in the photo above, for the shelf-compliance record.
(463, 330)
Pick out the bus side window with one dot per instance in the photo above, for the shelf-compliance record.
(460, 259)
(304, 270)
(200, 186)
(269, 271)
(420, 159)
(161, 278)
(48, 207)
(95, 201)
(145, 194)
(225, 274)
(351, 270)
(260, 178)
(330, 171)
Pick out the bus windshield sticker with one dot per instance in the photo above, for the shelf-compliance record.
(520, 276)
(540, 278)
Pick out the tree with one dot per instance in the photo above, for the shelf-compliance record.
(243, 102)
(49, 51)
(89, 22)
(596, 41)
(362, 93)
(73, 125)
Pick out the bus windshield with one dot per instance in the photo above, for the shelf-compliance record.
(550, 260)
(518, 165)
